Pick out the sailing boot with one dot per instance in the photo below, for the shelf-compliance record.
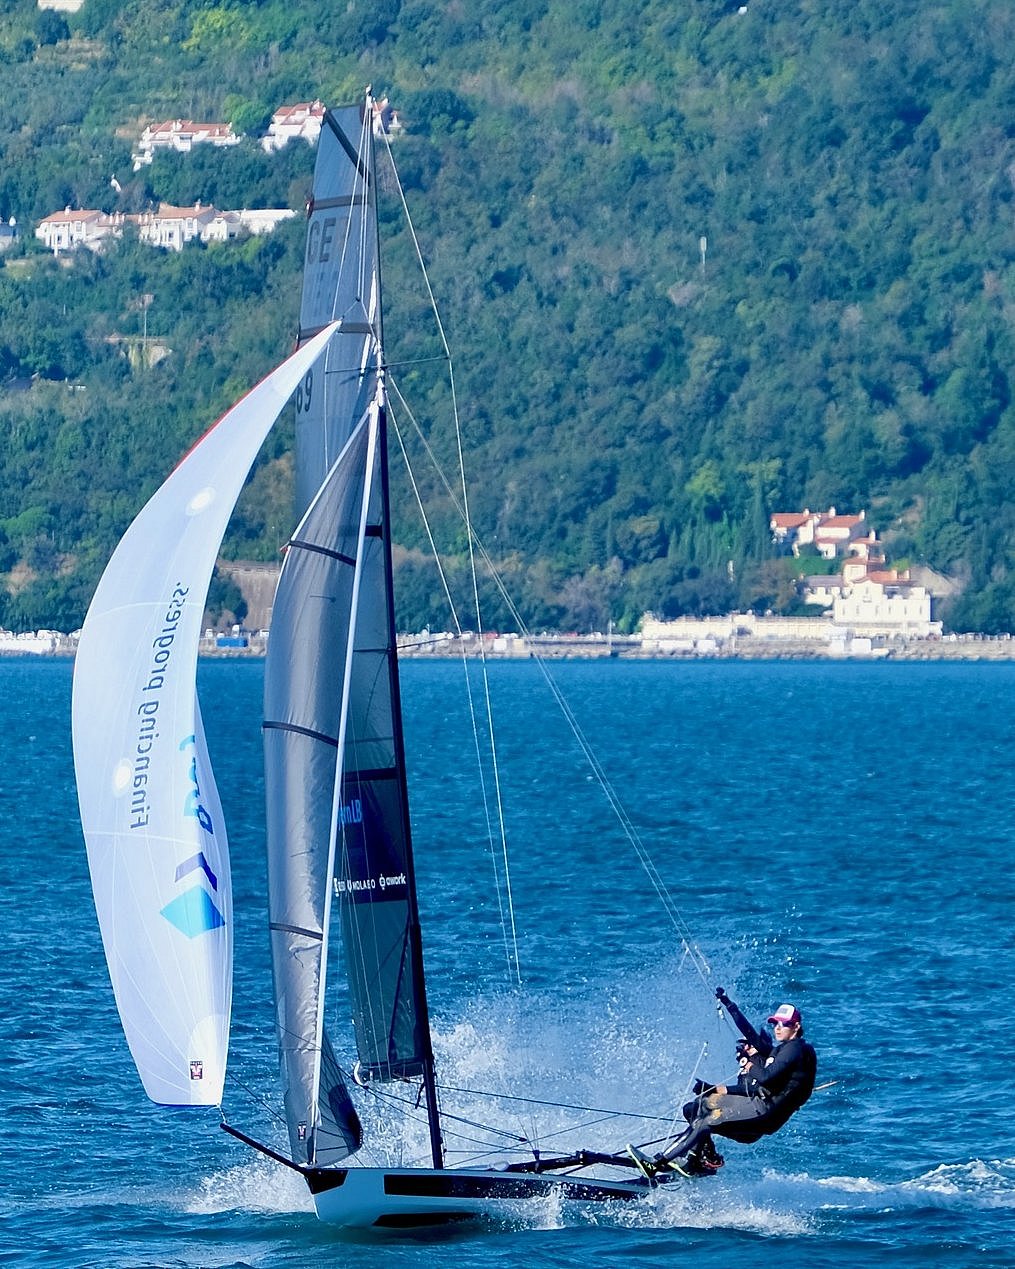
(710, 1156)
(703, 1160)
(646, 1166)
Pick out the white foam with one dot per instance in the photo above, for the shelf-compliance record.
(976, 1184)
(258, 1185)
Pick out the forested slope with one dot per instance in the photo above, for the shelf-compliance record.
(633, 413)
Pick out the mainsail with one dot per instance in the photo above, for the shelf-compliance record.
(157, 848)
(340, 284)
(334, 770)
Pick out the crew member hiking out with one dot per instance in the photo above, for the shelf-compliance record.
(775, 1079)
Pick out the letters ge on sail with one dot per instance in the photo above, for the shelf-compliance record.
(320, 240)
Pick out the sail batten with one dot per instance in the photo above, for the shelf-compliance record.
(302, 731)
(323, 550)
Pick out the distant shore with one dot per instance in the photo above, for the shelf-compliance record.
(970, 647)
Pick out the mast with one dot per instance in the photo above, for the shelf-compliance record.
(415, 928)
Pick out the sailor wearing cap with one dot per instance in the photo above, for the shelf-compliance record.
(775, 1080)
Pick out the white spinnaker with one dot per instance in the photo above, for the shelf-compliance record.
(157, 848)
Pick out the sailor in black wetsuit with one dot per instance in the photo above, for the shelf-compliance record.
(775, 1080)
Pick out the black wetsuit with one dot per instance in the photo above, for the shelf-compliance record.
(785, 1080)
(759, 1103)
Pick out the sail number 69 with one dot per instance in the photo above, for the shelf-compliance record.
(304, 392)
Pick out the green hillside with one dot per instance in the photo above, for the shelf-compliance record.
(633, 411)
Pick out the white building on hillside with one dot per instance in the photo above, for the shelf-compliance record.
(66, 230)
(173, 227)
(226, 225)
(181, 135)
(833, 533)
(169, 227)
(385, 121)
(829, 533)
(301, 122)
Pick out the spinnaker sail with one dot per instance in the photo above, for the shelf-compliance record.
(157, 847)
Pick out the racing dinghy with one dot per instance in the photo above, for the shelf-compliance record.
(340, 860)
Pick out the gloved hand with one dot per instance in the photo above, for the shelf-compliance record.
(720, 994)
(698, 1087)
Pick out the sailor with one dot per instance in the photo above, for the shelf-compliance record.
(775, 1080)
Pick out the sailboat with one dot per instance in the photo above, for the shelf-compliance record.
(340, 860)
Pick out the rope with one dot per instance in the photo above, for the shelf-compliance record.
(691, 951)
(511, 965)
(471, 538)
(476, 545)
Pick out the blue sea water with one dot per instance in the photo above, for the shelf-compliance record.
(835, 834)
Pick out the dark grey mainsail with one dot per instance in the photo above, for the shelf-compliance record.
(340, 283)
(338, 824)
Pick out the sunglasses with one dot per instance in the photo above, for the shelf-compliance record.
(784, 1024)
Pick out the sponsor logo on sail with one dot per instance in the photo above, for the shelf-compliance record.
(194, 912)
(364, 885)
(148, 709)
(350, 812)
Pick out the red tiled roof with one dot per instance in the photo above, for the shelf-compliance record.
(168, 212)
(302, 110)
(175, 126)
(68, 217)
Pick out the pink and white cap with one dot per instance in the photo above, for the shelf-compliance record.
(788, 1014)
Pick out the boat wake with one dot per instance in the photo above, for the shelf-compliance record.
(257, 1185)
(798, 1203)
(978, 1184)
(779, 1204)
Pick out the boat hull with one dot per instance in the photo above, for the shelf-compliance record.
(361, 1198)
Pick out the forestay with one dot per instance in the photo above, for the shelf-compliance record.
(156, 842)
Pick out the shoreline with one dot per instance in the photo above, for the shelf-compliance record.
(49, 645)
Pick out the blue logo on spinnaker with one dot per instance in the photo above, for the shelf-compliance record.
(193, 913)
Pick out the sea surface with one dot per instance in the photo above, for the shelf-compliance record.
(837, 835)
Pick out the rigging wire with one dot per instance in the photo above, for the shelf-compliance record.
(256, 1098)
(608, 1112)
(475, 545)
(471, 539)
(691, 950)
(468, 689)
(515, 1141)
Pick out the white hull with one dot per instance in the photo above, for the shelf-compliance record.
(361, 1198)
